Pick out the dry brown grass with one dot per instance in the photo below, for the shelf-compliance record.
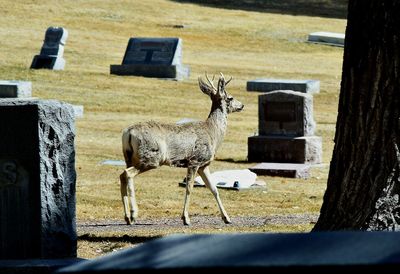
(243, 44)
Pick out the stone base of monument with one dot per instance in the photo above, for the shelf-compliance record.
(48, 62)
(305, 149)
(327, 38)
(266, 85)
(33, 266)
(175, 72)
(15, 89)
(282, 170)
(317, 252)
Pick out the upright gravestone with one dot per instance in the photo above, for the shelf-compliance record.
(153, 57)
(15, 89)
(286, 132)
(37, 180)
(51, 54)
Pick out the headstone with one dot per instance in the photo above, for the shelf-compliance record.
(285, 113)
(37, 180)
(317, 252)
(51, 54)
(153, 57)
(268, 84)
(15, 89)
(286, 132)
(327, 38)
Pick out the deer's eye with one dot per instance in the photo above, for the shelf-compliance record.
(230, 98)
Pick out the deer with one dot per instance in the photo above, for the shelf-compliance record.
(191, 145)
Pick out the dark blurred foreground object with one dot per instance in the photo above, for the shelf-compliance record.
(319, 252)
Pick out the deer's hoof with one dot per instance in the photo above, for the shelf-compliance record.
(227, 220)
(127, 220)
(186, 220)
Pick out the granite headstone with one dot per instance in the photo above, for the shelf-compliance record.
(286, 132)
(37, 180)
(51, 54)
(153, 57)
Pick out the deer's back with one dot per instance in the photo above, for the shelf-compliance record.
(154, 144)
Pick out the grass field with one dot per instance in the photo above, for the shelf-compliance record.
(243, 44)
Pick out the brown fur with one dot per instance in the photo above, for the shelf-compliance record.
(191, 145)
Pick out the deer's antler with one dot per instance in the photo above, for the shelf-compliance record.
(227, 82)
(211, 82)
(209, 88)
(222, 83)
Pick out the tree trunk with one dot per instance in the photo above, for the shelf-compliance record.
(364, 178)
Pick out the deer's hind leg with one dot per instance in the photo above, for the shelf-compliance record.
(189, 188)
(206, 176)
(131, 209)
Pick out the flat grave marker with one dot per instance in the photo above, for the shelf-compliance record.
(327, 38)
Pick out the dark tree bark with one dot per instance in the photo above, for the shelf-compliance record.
(364, 178)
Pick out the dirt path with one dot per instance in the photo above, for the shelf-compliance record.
(101, 237)
(198, 222)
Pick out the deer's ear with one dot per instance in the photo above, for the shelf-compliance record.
(206, 89)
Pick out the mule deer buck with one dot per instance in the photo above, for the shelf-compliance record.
(191, 145)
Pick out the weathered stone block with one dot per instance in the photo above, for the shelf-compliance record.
(37, 179)
(15, 89)
(153, 57)
(285, 149)
(267, 85)
(285, 113)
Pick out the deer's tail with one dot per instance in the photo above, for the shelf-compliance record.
(127, 148)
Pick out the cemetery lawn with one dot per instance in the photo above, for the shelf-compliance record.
(243, 44)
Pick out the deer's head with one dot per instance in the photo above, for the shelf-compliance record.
(219, 95)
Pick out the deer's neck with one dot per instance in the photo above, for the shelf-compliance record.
(217, 123)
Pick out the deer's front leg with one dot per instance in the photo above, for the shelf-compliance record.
(189, 188)
(131, 209)
(206, 176)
